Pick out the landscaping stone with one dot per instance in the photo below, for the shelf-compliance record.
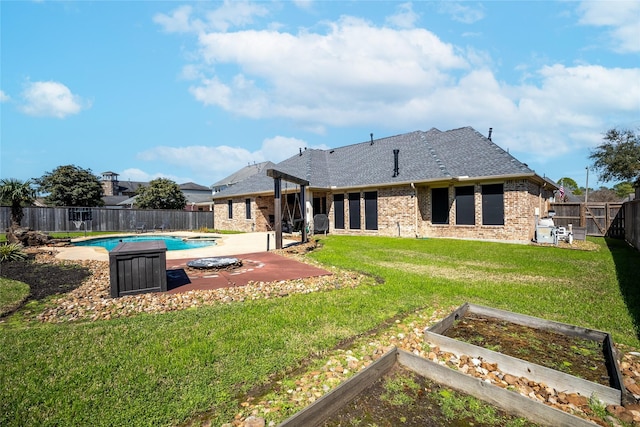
(27, 237)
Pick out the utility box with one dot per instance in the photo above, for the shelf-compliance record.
(138, 267)
(579, 233)
(544, 234)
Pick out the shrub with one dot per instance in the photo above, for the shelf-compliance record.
(12, 252)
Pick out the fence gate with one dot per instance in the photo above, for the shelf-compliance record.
(599, 219)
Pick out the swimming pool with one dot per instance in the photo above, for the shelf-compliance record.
(173, 243)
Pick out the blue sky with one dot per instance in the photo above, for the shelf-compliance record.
(194, 91)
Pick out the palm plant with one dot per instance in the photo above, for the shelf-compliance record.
(16, 193)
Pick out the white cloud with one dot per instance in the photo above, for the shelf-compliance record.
(229, 14)
(462, 12)
(51, 99)
(621, 17)
(304, 4)
(179, 21)
(351, 72)
(404, 18)
(333, 78)
(4, 97)
(217, 161)
(134, 174)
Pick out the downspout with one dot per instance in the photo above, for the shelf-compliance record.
(415, 210)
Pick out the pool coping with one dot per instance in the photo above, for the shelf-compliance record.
(226, 244)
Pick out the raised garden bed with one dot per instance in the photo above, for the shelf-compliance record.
(360, 389)
(565, 357)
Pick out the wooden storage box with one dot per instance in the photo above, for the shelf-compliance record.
(138, 267)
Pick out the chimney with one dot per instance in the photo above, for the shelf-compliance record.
(396, 168)
(490, 132)
(371, 138)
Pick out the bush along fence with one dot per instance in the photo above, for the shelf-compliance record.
(60, 219)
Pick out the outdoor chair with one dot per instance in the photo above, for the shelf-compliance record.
(141, 227)
(162, 227)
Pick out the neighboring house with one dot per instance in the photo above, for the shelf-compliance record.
(241, 175)
(456, 184)
(112, 186)
(198, 197)
(122, 194)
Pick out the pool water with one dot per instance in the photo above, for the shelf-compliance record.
(173, 243)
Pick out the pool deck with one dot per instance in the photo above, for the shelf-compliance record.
(258, 265)
(226, 244)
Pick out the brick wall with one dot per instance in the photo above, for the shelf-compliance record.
(404, 211)
(396, 213)
(261, 207)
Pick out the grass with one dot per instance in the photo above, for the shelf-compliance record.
(164, 369)
(12, 294)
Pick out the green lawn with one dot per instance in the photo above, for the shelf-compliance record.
(12, 294)
(163, 369)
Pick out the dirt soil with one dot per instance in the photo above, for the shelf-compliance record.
(575, 356)
(45, 279)
(403, 398)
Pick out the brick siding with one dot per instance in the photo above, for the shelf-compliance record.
(406, 212)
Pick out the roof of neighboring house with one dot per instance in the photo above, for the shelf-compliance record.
(422, 157)
(199, 198)
(130, 187)
(128, 201)
(243, 174)
(114, 200)
(193, 186)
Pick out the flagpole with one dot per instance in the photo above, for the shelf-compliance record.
(586, 190)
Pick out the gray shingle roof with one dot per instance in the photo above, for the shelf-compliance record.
(422, 157)
(193, 186)
(243, 174)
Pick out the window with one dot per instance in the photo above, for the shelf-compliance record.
(371, 210)
(247, 208)
(338, 211)
(465, 206)
(230, 206)
(440, 206)
(493, 204)
(354, 211)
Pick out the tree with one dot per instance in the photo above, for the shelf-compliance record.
(71, 186)
(618, 157)
(16, 193)
(623, 189)
(603, 194)
(162, 193)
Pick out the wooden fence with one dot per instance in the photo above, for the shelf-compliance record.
(599, 219)
(59, 219)
(632, 223)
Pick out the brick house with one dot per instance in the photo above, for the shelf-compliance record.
(456, 184)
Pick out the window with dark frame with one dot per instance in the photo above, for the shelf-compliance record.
(440, 205)
(493, 204)
(354, 211)
(247, 207)
(230, 206)
(465, 206)
(338, 211)
(371, 210)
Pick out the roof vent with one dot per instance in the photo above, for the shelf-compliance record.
(490, 132)
(301, 151)
(371, 138)
(396, 168)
